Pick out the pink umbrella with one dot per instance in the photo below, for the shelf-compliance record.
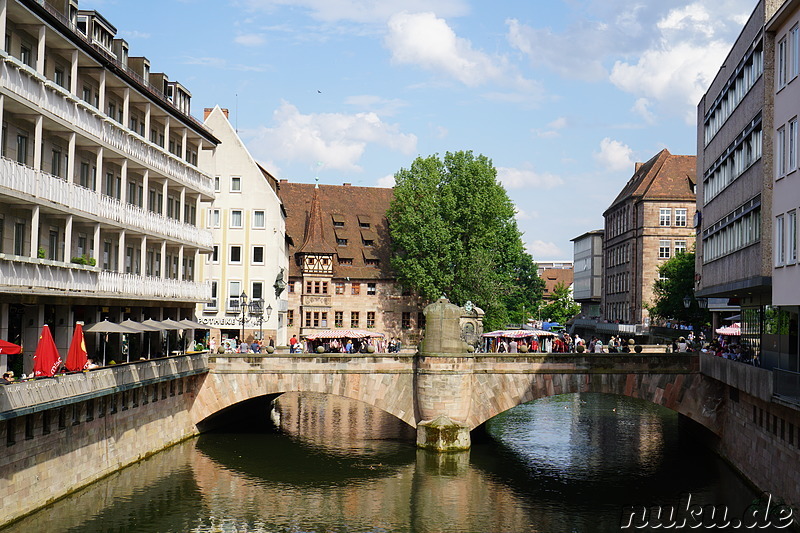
(76, 356)
(46, 359)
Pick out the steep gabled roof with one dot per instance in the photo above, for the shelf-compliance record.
(663, 177)
(314, 241)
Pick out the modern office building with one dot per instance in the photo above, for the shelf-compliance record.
(734, 223)
(587, 285)
(249, 262)
(100, 188)
(647, 223)
(339, 271)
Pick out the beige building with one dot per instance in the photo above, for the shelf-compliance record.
(339, 272)
(247, 268)
(648, 222)
(100, 189)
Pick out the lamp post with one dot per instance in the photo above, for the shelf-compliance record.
(243, 319)
(257, 312)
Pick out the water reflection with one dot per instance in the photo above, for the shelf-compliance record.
(567, 463)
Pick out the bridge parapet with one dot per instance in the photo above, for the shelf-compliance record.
(329, 363)
(41, 394)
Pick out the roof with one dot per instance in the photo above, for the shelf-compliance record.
(343, 212)
(663, 177)
(554, 276)
(314, 241)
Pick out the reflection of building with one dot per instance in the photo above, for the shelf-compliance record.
(250, 252)
(339, 272)
(648, 222)
(735, 170)
(99, 181)
(587, 288)
(781, 336)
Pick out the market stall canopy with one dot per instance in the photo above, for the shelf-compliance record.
(191, 324)
(105, 326)
(733, 329)
(9, 348)
(342, 334)
(519, 333)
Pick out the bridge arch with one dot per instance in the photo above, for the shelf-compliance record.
(691, 395)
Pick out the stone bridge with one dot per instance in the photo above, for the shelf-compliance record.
(467, 389)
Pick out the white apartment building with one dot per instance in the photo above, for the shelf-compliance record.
(100, 188)
(250, 253)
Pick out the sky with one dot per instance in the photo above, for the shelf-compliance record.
(564, 96)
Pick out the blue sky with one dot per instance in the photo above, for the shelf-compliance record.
(563, 95)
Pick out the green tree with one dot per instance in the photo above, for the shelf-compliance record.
(561, 307)
(677, 282)
(454, 233)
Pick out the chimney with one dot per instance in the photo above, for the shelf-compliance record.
(284, 180)
(225, 112)
(637, 167)
(345, 184)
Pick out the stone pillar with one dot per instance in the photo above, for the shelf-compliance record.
(443, 390)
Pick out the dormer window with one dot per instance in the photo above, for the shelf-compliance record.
(338, 220)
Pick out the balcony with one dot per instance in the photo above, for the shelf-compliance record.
(24, 182)
(19, 274)
(27, 84)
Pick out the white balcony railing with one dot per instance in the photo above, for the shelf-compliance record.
(76, 199)
(30, 275)
(28, 84)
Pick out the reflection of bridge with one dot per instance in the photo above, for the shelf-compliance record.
(467, 388)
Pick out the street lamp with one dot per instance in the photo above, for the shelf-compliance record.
(687, 301)
(257, 312)
(243, 307)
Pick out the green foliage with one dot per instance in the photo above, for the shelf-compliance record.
(561, 307)
(454, 233)
(677, 283)
(41, 253)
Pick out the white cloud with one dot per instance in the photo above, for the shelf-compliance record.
(642, 108)
(222, 64)
(521, 214)
(364, 11)
(382, 106)
(250, 39)
(518, 178)
(386, 181)
(337, 140)
(425, 40)
(553, 129)
(541, 250)
(614, 155)
(134, 34)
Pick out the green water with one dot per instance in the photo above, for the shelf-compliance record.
(566, 463)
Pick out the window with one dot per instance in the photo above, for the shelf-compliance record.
(780, 152)
(19, 238)
(216, 183)
(338, 319)
(339, 287)
(420, 320)
(354, 319)
(257, 291)
(782, 58)
(22, 149)
(370, 319)
(368, 242)
(371, 289)
(665, 216)
(235, 254)
(258, 255)
(780, 242)
(215, 218)
(345, 260)
(25, 54)
(236, 218)
(680, 217)
(236, 184)
(680, 247)
(259, 219)
(309, 287)
(290, 318)
(291, 287)
(215, 254)
(234, 290)
(405, 322)
(308, 319)
(792, 148)
(355, 288)
(324, 319)
(372, 262)
(791, 237)
(663, 249)
(214, 303)
(341, 242)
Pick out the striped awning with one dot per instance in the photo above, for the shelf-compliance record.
(342, 334)
(733, 329)
(519, 333)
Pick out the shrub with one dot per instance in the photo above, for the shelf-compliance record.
(41, 253)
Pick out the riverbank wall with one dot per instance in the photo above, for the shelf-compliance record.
(61, 434)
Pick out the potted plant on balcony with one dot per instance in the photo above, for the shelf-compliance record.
(41, 253)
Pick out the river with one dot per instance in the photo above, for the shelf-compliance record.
(559, 464)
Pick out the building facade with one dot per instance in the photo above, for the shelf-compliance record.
(250, 253)
(339, 272)
(735, 177)
(100, 188)
(648, 222)
(587, 287)
(781, 323)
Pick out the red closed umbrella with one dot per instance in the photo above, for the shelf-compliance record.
(9, 348)
(76, 356)
(46, 360)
